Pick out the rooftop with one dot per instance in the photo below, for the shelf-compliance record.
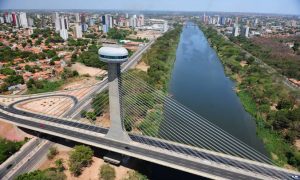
(113, 51)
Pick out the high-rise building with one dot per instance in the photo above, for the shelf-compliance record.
(218, 20)
(142, 20)
(64, 34)
(111, 22)
(43, 21)
(104, 28)
(255, 22)
(14, 19)
(103, 20)
(84, 27)
(77, 18)
(236, 20)
(82, 18)
(91, 22)
(235, 31)
(107, 23)
(63, 27)
(7, 18)
(245, 31)
(77, 31)
(23, 20)
(55, 19)
(133, 21)
(30, 22)
(223, 20)
(1, 20)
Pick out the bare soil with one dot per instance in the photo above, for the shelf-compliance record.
(142, 66)
(82, 70)
(88, 173)
(12, 132)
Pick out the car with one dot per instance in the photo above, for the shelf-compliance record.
(295, 177)
(42, 126)
(127, 148)
(9, 166)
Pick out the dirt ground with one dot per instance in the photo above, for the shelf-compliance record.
(82, 69)
(80, 82)
(243, 63)
(55, 106)
(297, 144)
(148, 34)
(89, 173)
(142, 66)
(11, 132)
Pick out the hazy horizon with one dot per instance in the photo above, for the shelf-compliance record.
(288, 7)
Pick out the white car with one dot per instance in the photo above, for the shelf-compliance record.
(295, 177)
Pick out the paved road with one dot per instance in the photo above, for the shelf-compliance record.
(149, 141)
(24, 151)
(32, 161)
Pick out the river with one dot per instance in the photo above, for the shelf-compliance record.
(198, 82)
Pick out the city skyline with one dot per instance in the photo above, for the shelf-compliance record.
(267, 6)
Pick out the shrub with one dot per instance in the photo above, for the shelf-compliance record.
(52, 152)
(107, 172)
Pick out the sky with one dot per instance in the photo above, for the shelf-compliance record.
(258, 6)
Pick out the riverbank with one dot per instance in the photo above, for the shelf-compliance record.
(143, 110)
(262, 94)
(161, 57)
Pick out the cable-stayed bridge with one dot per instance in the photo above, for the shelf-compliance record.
(159, 130)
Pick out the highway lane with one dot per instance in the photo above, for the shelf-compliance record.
(24, 152)
(161, 144)
(33, 161)
(18, 157)
(136, 150)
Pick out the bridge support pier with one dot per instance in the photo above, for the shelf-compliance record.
(116, 130)
(110, 55)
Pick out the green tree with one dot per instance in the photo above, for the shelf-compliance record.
(107, 172)
(91, 115)
(8, 148)
(285, 104)
(7, 71)
(79, 158)
(14, 80)
(100, 103)
(59, 163)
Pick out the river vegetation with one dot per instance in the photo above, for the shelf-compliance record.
(265, 97)
(160, 59)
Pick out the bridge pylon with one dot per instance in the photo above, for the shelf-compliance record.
(114, 56)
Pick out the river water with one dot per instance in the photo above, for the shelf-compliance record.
(198, 81)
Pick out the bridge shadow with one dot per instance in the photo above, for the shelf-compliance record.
(151, 170)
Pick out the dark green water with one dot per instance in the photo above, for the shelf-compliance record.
(199, 82)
